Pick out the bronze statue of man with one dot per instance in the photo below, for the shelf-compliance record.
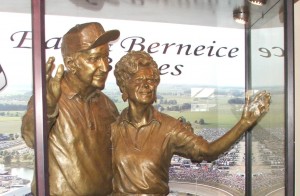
(79, 114)
(144, 140)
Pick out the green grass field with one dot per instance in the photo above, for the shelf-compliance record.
(11, 123)
(223, 115)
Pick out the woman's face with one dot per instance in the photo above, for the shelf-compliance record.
(141, 87)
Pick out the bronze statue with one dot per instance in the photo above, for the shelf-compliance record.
(144, 140)
(79, 114)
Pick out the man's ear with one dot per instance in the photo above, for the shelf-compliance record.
(69, 63)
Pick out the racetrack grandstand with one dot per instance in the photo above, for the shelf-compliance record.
(228, 172)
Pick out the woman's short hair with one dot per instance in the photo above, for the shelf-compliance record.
(129, 64)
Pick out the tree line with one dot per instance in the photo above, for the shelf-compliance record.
(12, 107)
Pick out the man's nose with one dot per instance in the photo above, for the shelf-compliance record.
(104, 66)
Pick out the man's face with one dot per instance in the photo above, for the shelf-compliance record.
(92, 66)
(141, 88)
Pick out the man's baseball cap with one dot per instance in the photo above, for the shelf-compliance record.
(85, 37)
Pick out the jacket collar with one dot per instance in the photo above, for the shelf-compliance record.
(156, 116)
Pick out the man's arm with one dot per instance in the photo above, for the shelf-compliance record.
(53, 95)
(27, 128)
(28, 125)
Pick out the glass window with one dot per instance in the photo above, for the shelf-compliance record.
(201, 57)
(200, 51)
(16, 159)
(267, 73)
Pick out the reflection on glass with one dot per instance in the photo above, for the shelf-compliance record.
(3, 79)
(268, 136)
(212, 107)
(16, 159)
(196, 87)
(212, 112)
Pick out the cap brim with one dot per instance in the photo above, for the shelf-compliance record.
(108, 36)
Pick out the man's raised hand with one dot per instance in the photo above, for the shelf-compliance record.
(53, 84)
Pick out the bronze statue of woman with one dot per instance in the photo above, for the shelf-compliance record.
(144, 140)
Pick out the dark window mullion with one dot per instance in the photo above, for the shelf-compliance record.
(248, 135)
(289, 97)
(38, 57)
